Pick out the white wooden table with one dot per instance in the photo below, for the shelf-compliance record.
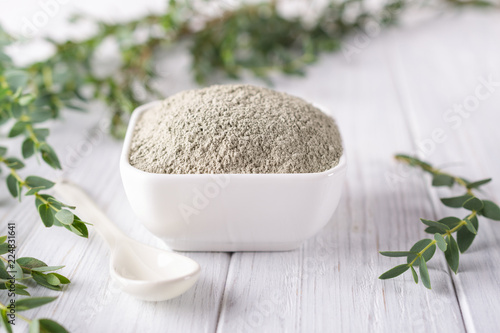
(390, 97)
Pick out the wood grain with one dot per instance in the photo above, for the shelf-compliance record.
(389, 97)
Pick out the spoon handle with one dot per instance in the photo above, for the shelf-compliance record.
(73, 194)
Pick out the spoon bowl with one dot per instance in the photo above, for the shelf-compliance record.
(151, 274)
(145, 272)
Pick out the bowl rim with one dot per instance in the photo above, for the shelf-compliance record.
(126, 166)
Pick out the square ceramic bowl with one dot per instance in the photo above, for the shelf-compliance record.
(231, 212)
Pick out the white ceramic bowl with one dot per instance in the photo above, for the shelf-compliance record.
(231, 212)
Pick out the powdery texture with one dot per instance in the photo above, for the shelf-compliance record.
(235, 129)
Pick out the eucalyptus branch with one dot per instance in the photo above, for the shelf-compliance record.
(12, 271)
(443, 230)
(52, 211)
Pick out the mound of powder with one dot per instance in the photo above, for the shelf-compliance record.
(234, 129)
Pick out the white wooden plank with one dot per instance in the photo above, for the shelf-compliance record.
(331, 283)
(472, 143)
(92, 303)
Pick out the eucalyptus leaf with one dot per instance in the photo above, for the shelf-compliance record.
(473, 204)
(35, 181)
(415, 275)
(441, 242)
(465, 237)
(470, 226)
(46, 268)
(393, 272)
(478, 183)
(456, 202)
(51, 326)
(17, 129)
(442, 180)
(14, 163)
(438, 225)
(28, 148)
(41, 279)
(12, 185)
(491, 210)
(53, 280)
(395, 253)
(46, 214)
(27, 263)
(32, 302)
(452, 253)
(5, 320)
(450, 221)
(65, 217)
(49, 156)
(419, 246)
(62, 279)
(424, 273)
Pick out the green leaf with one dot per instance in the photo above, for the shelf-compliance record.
(49, 198)
(3, 272)
(3, 239)
(465, 237)
(491, 210)
(46, 214)
(41, 279)
(452, 254)
(432, 230)
(32, 302)
(34, 326)
(34, 181)
(440, 241)
(474, 204)
(27, 263)
(19, 288)
(419, 246)
(28, 148)
(26, 99)
(393, 272)
(415, 276)
(53, 280)
(470, 226)
(441, 226)
(424, 273)
(4, 248)
(33, 190)
(3, 151)
(478, 183)
(456, 202)
(62, 278)
(14, 163)
(450, 221)
(46, 268)
(78, 228)
(12, 185)
(18, 271)
(442, 180)
(16, 78)
(5, 321)
(40, 116)
(17, 129)
(53, 201)
(65, 217)
(395, 253)
(41, 133)
(51, 326)
(49, 156)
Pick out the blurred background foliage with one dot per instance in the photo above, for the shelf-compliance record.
(232, 40)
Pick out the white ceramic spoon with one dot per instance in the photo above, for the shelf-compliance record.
(142, 271)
